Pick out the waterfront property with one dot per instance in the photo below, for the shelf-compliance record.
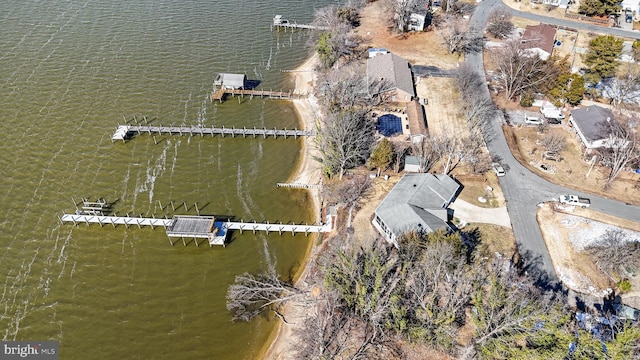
(417, 202)
(395, 71)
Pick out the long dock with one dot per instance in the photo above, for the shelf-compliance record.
(220, 93)
(280, 22)
(194, 227)
(125, 132)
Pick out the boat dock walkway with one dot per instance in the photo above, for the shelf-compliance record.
(280, 22)
(125, 132)
(220, 93)
(194, 227)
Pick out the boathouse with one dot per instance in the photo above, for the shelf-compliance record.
(231, 81)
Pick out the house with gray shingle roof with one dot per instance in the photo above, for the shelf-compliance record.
(590, 125)
(416, 202)
(396, 71)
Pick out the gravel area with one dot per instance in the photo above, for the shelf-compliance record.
(585, 232)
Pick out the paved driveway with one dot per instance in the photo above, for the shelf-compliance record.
(470, 213)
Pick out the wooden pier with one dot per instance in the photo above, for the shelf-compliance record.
(194, 227)
(280, 22)
(220, 93)
(125, 132)
(299, 186)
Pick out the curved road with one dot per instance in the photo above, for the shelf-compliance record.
(523, 189)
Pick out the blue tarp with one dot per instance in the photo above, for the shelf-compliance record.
(389, 124)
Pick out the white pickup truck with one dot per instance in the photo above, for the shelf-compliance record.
(575, 200)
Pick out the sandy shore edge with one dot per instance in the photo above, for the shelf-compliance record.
(308, 172)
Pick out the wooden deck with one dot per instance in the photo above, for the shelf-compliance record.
(220, 93)
(194, 227)
(125, 132)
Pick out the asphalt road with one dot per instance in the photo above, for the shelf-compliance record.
(523, 189)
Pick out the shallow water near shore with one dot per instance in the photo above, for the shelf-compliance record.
(71, 72)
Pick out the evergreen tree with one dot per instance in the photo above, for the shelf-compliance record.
(636, 50)
(599, 7)
(382, 155)
(602, 57)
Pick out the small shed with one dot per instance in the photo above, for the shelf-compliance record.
(416, 22)
(411, 164)
(231, 81)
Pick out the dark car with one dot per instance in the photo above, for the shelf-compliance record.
(554, 121)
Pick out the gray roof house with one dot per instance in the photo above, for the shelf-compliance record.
(396, 71)
(416, 202)
(589, 123)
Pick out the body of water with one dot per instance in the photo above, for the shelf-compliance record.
(70, 71)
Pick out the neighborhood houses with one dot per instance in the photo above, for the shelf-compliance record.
(482, 182)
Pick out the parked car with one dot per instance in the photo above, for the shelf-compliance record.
(532, 120)
(628, 16)
(498, 169)
(554, 121)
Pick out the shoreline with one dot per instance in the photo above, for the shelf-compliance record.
(308, 171)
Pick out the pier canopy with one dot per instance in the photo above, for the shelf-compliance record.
(231, 81)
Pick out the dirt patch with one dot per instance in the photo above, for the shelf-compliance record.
(573, 171)
(576, 270)
(423, 48)
(567, 232)
(364, 232)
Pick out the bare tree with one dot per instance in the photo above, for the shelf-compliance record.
(477, 106)
(446, 148)
(249, 295)
(438, 288)
(425, 154)
(346, 87)
(367, 282)
(336, 39)
(499, 23)
(400, 149)
(403, 10)
(454, 34)
(614, 250)
(554, 142)
(508, 307)
(323, 334)
(519, 70)
(624, 88)
(349, 193)
(623, 146)
(344, 141)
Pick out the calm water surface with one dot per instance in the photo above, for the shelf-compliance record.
(69, 72)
